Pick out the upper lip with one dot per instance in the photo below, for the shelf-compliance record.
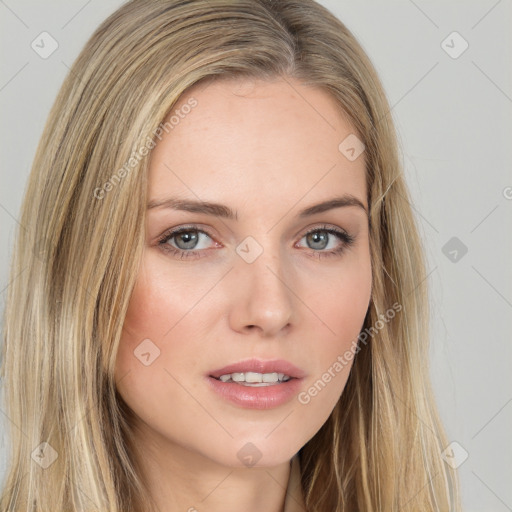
(260, 366)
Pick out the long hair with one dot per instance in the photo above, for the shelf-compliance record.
(78, 250)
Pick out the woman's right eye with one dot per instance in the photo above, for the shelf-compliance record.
(183, 242)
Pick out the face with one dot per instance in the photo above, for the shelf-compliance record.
(276, 281)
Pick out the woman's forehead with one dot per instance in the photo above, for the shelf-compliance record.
(263, 138)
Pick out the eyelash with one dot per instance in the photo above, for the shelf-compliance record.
(343, 236)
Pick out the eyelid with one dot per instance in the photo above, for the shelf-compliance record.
(173, 232)
(321, 226)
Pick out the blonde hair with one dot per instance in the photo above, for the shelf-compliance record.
(78, 252)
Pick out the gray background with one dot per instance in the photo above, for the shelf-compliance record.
(454, 121)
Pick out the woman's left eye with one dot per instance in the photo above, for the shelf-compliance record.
(328, 241)
(186, 241)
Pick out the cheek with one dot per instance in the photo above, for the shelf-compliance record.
(161, 299)
(347, 304)
(151, 313)
(151, 343)
(342, 300)
(341, 307)
(162, 313)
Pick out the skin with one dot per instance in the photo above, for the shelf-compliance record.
(267, 150)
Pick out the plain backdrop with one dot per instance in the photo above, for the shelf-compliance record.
(446, 68)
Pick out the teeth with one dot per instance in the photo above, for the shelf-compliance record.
(255, 378)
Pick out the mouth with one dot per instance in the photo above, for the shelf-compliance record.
(257, 372)
(254, 379)
(257, 384)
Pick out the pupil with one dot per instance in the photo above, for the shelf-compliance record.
(190, 239)
(319, 237)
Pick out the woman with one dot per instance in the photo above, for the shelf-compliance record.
(219, 299)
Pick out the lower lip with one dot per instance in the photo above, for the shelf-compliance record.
(261, 397)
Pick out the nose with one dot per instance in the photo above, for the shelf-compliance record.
(261, 298)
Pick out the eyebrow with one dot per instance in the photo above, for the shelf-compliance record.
(220, 210)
